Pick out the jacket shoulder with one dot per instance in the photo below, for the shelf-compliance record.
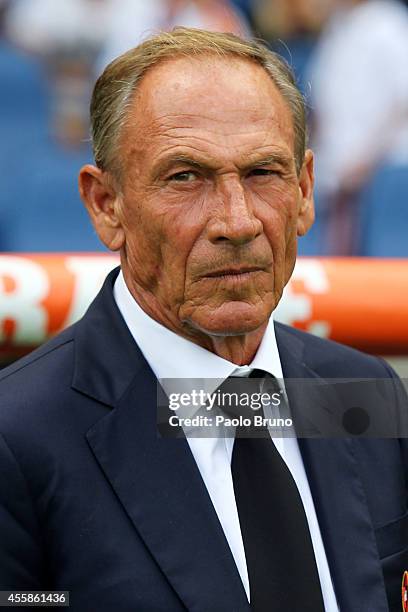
(37, 384)
(36, 358)
(333, 359)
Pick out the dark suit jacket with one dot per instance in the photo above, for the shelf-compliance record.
(94, 502)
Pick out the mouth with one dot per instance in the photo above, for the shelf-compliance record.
(241, 272)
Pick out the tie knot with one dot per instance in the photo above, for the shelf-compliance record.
(257, 373)
(243, 399)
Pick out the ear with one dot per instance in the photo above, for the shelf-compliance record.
(306, 214)
(102, 202)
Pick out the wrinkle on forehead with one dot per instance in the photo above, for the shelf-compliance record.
(208, 102)
(236, 122)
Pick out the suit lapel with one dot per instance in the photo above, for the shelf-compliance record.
(339, 499)
(156, 479)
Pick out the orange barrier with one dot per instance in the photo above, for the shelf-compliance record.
(361, 302)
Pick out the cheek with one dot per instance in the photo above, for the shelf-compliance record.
(279, 220)
(159, 238)
(143, 239)
(279, 216)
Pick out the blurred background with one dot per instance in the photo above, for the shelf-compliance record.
(350, 58)
(351, 61)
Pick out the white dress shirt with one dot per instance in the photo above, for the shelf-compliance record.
(171, 356)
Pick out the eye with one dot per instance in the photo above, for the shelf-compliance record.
(262, 172)
(183, 177)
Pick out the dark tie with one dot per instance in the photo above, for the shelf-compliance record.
(280, 559)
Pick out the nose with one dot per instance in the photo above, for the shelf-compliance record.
(233, 220)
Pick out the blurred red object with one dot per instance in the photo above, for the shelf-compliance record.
(360, 302)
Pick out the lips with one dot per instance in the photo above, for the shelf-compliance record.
(234, 271)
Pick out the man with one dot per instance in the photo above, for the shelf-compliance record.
(202, 183)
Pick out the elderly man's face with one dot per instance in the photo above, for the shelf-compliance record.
(211, 204)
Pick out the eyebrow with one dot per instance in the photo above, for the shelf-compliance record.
(183, 158)
(167, 163)
(274, 158)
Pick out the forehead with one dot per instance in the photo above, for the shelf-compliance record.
(210, 104)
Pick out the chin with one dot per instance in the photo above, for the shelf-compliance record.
(231, 319)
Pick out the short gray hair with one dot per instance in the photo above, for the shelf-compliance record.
(114, 90)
